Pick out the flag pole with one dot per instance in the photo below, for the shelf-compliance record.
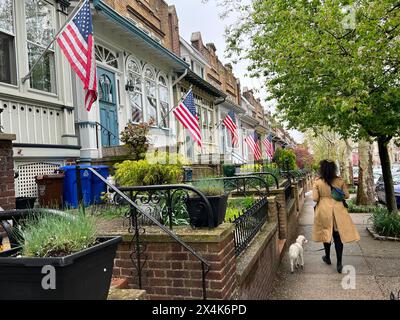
(180, 100)
(72, 16)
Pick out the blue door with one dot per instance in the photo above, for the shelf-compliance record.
(108, 108)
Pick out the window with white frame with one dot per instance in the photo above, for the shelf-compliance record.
(207, 118)
(40, 29)
(135, 95)
(150, 87)
(105, 56)
(8, 69)
(163, 94)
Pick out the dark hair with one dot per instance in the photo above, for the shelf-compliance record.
(327, 171)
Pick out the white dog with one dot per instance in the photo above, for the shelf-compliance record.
(296, 253)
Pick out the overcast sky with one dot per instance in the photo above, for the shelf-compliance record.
(194, 15)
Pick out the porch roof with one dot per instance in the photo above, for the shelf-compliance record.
(142, 39)
(198, 81)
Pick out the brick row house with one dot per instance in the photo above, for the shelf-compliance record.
(144, 67)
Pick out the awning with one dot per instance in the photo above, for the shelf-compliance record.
(148, 44)
(198, 81)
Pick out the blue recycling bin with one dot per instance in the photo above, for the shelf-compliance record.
(98, 186)
(70, 184)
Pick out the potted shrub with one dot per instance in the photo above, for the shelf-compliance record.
(218, 198)
(56, 257)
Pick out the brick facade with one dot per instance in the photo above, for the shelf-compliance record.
(219, 75)
(154, 16)
(171, 272)
(7, 193)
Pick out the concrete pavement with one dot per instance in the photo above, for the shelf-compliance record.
(376, 265)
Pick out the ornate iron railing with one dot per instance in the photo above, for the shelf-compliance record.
(249, 223)
(138, 256)
(262, 175)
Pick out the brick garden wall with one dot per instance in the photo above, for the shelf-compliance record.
(7, 193)
(171, 272)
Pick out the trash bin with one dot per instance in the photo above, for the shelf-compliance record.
(70, 193)
(98, 186)
(50, 190)
(187, 174)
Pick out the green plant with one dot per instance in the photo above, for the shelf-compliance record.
(155, 170)
(386, 224)
(210, 187)
(229, 170)
(45, 235)
(354, 208)
(285, 158)
(232, 214)
(180, 215)
(135, 138)
(109, 211)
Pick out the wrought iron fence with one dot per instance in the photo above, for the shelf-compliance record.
(288, 191)
(249, 223)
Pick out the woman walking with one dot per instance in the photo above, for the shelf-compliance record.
(332, 220)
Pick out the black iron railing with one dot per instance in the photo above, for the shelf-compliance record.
(263, 175)
(249, 223)
(110, 135)
(288, 191)
(138, 253)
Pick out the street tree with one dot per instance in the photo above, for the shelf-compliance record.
(328, 63)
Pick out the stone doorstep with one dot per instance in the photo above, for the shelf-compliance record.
(378, 237)
(126, 294)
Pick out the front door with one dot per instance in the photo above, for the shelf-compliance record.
(108, 108)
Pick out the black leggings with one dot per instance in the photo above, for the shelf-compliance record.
(338, 247)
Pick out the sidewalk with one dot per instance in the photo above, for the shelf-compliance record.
(377, 266)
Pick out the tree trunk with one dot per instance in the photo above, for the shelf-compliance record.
(348, 164)
(387, 173)
(365, 190)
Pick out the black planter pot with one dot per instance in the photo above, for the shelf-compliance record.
(198, 214)
(85, 275)
(25, 202)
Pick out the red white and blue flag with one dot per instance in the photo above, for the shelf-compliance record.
(252, 142)
(230, 124)
(76, 42)
(269, 147)
(187, 115)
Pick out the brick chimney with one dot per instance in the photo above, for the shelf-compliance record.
(196, 40)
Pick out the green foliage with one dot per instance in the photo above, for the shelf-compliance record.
(156, 169)
(284, 158)
(180, 215)
(135, 137)
(210, 187)
(47, 235)
(236, 207)
(110, 212)
(251, 168)
(386, 224)
(229, 170)
(232, 214)
(354, 208)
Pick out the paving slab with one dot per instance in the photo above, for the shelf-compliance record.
(326, 287)
(376, 263)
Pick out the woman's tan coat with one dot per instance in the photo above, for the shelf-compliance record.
(327, 210)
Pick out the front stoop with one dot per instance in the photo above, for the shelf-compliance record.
(126, 294)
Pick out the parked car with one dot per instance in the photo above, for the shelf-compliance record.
(380, 189)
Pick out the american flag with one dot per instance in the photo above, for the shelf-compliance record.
(186, 114)
(252, 142)
(76, 42)
(269, 147)
(230, 124)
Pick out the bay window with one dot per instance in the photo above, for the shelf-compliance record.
(8, 67)
(40, 30)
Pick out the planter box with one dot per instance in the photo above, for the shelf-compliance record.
(85, 275)
(198, 215)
